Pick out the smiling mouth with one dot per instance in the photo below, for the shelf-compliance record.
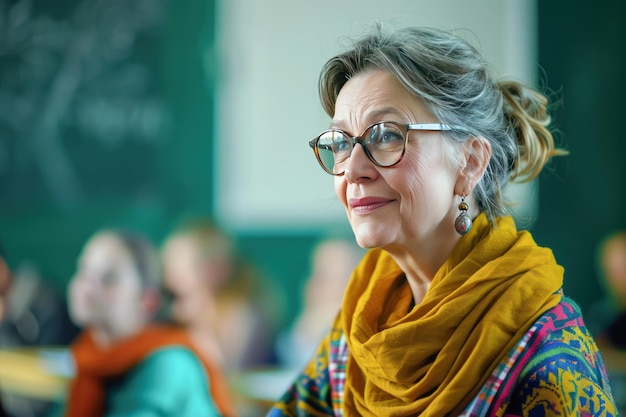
(367, 205)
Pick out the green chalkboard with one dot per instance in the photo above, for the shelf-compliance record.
(105, 119)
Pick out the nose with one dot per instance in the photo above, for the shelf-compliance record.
(359, 166)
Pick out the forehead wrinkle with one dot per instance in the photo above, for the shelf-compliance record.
(370, 116)
(374, 97)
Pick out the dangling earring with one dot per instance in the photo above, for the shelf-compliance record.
(463, 222)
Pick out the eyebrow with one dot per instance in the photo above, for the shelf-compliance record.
(375, 116)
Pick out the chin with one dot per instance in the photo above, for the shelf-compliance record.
(364, 243)
(369, 237)
(368, 241)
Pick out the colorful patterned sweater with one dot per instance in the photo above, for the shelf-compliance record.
(554, 370)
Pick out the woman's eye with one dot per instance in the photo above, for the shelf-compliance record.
(341, 145)
(390, 137)
(382, 136)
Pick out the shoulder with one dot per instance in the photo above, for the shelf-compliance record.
(172, 354)
(563, 325)
(565, 368)
(180, 361)
(564, 340)
(170, 378)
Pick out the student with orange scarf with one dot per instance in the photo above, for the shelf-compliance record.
(452, 311)
(127, 365)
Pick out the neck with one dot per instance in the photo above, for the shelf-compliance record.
(419, 290)
(204, 318)
(105, 338)
(421, 263)
(101, 337)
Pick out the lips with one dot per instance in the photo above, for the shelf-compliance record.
(367, 204)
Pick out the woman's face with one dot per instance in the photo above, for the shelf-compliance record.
(106, 291)
(411, 204)
(614, 264)
(183, 278)
(193, 276)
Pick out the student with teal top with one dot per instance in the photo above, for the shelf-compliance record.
(126, 365)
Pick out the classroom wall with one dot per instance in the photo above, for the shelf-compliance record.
(106, 118)
(582, 198)
(270, 55)
(140, 113)
(269, 188)
(172, 107)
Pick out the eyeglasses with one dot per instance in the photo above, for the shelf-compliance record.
(384, 144)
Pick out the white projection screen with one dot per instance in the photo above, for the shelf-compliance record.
(268, 60)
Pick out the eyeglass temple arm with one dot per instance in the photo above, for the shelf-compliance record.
(430, 126)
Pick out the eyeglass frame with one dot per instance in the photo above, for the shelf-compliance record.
(424, 127)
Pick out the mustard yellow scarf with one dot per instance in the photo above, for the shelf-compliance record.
(432, 359)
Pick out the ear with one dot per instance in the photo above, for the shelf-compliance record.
(477, 154)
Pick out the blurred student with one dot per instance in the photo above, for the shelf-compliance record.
(604, 315)
(33, 314)
(5, 281)
(217, 296)
(332, 262)
(608, 316)
(5, 277)
(125, 363)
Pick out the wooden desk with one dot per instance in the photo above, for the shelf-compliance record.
(263, 387)
(35, 373)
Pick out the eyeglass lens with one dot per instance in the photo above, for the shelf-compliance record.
(383, 144)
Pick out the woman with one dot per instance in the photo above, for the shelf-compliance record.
(452, 311)
(125, 365)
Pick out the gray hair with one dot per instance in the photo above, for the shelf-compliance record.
(453, 81)
(143, 254)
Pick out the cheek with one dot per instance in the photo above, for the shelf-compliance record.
(79, 305)
(425, 185)
(409, 180)
(340, 189)
(76, 293)
(124, 307)
(120, 295)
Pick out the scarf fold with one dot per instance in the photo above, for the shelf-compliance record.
(95, 365)
(432, 358)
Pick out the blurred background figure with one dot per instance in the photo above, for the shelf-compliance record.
(5, 280)
(35, 314)
(32, 315)
(125, 363)
(218, 296)
(607, 317)
(4, 287)
(331, 264)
